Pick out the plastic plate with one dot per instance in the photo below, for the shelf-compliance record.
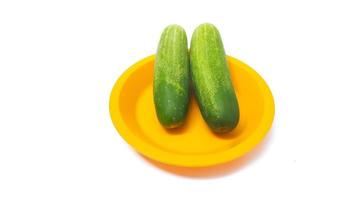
(194, 144)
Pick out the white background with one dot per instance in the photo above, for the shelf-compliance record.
(60, 59)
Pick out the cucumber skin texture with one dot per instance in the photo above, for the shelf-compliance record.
(211, 80)
(171, 77)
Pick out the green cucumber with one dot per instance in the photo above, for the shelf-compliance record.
(211, 80)
(171, 77)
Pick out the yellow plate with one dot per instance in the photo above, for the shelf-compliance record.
(193, 145)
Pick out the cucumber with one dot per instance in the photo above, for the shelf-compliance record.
(211, 80)
(171, 77)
